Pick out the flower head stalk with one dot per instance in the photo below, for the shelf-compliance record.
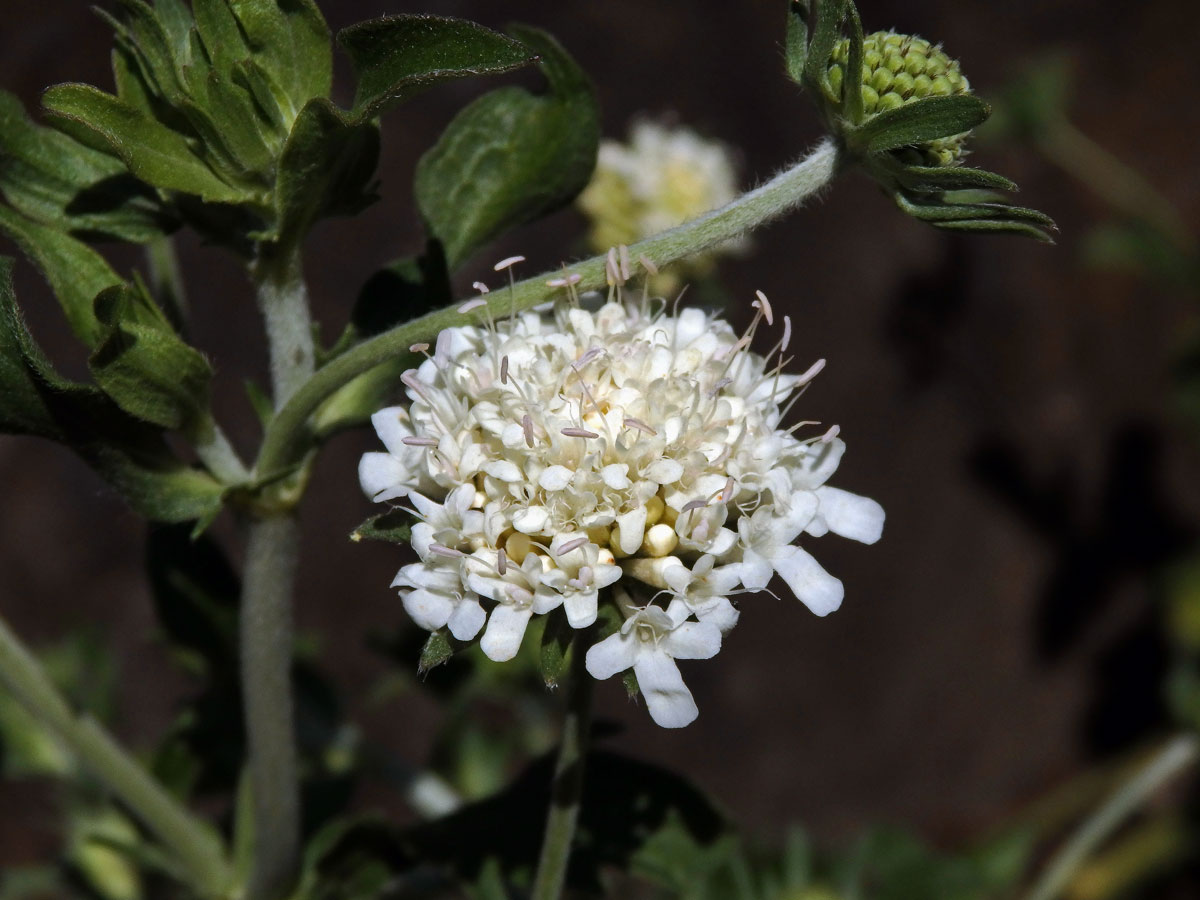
(548, 457)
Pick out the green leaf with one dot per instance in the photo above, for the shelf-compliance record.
(916, 123)
(825, 33)
(932, 179)
(556, 641)
(151, 150)
(290, 40)
(222, 36)
(966, 211)
(144, 366)
(397, 57)
(76, 273)
(57, 181)
(325, 169)
(437, 650)
(795, 41)
(155, 483)
(402, 290)
(22, 408)
(393, 526)
(510, 156)
(139, 31)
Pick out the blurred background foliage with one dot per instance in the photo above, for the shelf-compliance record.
(1025, 635)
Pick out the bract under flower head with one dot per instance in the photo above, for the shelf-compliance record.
(549, 457)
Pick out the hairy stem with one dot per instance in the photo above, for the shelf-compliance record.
(1177, 755)
(197, 849)
(272, 551)
(787, 190)
(214, 450)
(266, 658)
(566, 793)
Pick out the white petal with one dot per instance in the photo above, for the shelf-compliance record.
(850, 515)
(531, 519)
(802, 507)
(820, 462)
(614, 654)
(667, 697)
(632, 527)
(812, 585)
(505, 630)
(755, 570)
(382, 476)
(693, 640)
(555, 478)
(392, 425)
(429, 610)
(581, 608)
(466, 620)
(616, 476)
(504, 470)
(664, 471)
(718, 611)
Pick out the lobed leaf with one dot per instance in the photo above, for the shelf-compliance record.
(795, 41)
(915, 123)
(510, 156)
(144, 366)
(397, 57)
(152, 151)
(76, 273)
(290, 40)
(325, 168)
(393, 526)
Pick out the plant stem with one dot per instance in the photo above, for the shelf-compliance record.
(166, 280)
(1177, 755)
(198, 849)
(785, 191)
(566, 792)
(214, 450)
(266, 658)
(272, 551)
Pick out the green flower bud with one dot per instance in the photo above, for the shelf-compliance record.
(899, 69)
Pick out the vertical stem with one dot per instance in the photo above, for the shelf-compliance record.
(272, 551)
(197, 849)
(1179, 753)
(566, 793)
(266, 658)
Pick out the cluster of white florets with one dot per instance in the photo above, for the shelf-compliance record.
(550, 457)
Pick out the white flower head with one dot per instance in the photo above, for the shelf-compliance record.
(662, 176)
(549, 458)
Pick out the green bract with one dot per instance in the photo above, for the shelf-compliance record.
(905, 119)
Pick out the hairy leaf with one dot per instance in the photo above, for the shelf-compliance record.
(290, 40)
(152, 151)
(76, 273)
(510, 156)
(915, 123)
(397, 57)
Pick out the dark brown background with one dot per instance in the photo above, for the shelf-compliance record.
(925, 698)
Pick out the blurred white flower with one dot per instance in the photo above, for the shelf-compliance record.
(623, 446)
(662, 177)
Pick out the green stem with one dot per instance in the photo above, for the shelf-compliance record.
(283, 442)
(566, 793)
(1177, 755)
(197, 848)
(214, 450)
(266, 658)
(272, 551)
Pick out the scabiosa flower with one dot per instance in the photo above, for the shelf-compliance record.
(662, 177)
(549, 457)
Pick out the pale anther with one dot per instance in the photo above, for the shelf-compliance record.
(504, 369)
(626, 272)
(441, 550)
(693, 504)
(648, 265)
(418, 348)
(419, 441)
(501, 561)
(811, 372)
(480, 286)
(505, 263)
(579, 432)
(472, 304)
(766, 307)
(572, 545)
(641, 426)
(527, 427)
(787, 333)
(830, 434)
